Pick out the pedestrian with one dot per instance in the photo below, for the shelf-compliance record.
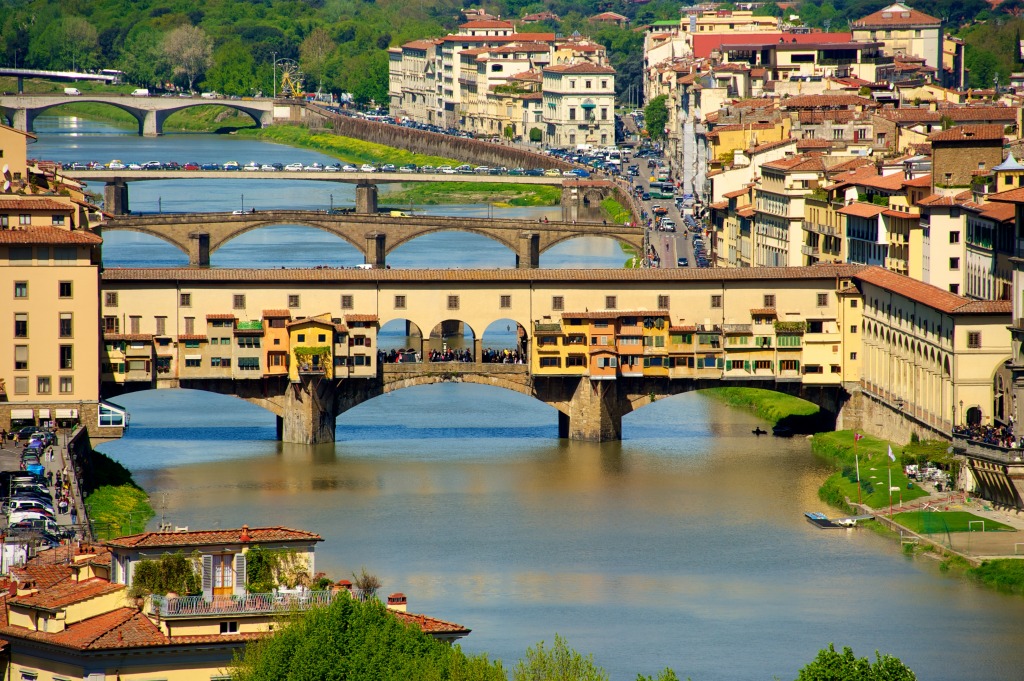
(74, 515)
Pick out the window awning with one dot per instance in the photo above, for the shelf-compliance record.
(43, 413)
(66, 413)
(588, 105)
(193, 356)
(22, 414)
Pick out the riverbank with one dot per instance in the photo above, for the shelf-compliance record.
(116, 504)
(800, 416)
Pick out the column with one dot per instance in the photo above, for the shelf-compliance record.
(309, 411)
(594, 412)
(528, 256)
(376, 245)
(115, 197)
(199, 249)
(366, 198)
(152, 125)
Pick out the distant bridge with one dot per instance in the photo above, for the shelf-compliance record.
(21, 74)
(151, 112)
(199, 235)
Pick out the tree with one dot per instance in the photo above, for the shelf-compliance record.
(233, 70)
(656, 116)
(79, 41)
(536, 134)
(189, 50)
(560, 663)
(769, 9)
(366, 584)
(351, 639)
(170, 572)
(665, 675)
(832, 666)
(314, 52)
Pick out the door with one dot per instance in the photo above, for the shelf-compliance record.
(223, 575)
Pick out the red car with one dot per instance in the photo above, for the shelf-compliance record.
(190, 166)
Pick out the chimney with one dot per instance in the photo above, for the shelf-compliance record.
(245, 538)
(398, 602)
(343, 585)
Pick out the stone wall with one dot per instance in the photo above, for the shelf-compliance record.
(473, 151)
(868, 414)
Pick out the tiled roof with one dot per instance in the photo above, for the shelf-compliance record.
(681, 329)
(745, 211)
(719, 205)
(128, 337)
(42, 574)
(1009, 196)
(419, 45)
(430, 625)
(257, 535)
(582, 67)
(66, 593)
(929, 295)
(349, 318)
(861, 210)
(969, 133)
(940, 200)
(826, 102)
(191, 337)
(613, 314)
(763, 311)
(895, 15)
(980, 113)
(35, 204)
(487, 23)
(198, 274)
(768, 146)
(831, 115)
(797, 163)
(1000, 212)
(276, 314)
(225, 317)
(737, 193)
(922, 181)
(48, 235)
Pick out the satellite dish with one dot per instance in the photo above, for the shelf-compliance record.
(7, 185)
(7, 170)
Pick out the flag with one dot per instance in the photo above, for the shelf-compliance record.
(892, 457)
(857, 437)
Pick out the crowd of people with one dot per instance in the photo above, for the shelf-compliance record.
(487, 356)
(1001, 436)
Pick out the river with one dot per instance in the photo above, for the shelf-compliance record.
(684, 545)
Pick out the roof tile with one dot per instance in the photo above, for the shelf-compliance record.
(49, 235)
(211, 537)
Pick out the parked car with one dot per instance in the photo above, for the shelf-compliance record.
(682, 262)
(293, 167)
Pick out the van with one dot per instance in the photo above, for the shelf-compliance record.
(140, 92)
(72, 91)
(210, 95)
(399, 214)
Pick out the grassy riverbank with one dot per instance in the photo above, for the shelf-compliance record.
(778, 408)
(343, 148)
(616, 212)
(436, 193)
(116, 504)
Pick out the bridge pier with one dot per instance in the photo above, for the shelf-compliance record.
(594, 413)
(199, 249)
(309, 411)
(152, 125)
(115, 197)
(528, 256)
(376, 247)
(22, 120)
(366, 199)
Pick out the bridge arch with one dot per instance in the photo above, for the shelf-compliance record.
(481, 231)
(243, 228)
(138, 114)
(255, 114)
(162, 236)
(637, 243)
(507, 383)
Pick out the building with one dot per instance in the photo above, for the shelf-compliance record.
(579, 104)
(960, 153)
(903, 31)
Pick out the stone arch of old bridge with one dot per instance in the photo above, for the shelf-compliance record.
(375, 236)
(150, 112)
(588, 410)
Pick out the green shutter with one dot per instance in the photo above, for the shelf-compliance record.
(721, 363)
(700, 363)
(746, 366)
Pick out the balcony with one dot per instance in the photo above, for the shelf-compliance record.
(813, 251)
(738, 329)
(247, 604)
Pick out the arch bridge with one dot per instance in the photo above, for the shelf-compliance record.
(375, 236)
(150, 112)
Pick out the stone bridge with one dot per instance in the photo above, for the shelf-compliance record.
(375, 236)
(587, 410)
(150, 112)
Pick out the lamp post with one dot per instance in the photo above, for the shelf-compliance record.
(243, 203)
(961, 410)
(332, 203)
(273, 56)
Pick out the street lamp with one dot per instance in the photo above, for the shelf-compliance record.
(332, 203)
(243, 203)
(273, 56)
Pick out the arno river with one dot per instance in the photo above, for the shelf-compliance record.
(684, 545)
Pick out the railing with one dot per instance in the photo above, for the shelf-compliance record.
(248, 604)
(810, 250)
(738, 328)
(986, 451)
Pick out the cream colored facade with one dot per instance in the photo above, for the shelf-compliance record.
(579, 104)
(779, 217)
(14, 152)
(903, 31)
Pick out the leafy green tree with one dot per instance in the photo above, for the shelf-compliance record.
(233, 70)
(559, 663)
(315, 52)
(832, 666)
(536, 134)
(259, 570)
(170, 572)
(190, 52)
(768, 9)
(656, 117)
(665, 675)
(351, 640)
(79, 42)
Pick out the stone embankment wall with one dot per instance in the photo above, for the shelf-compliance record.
(868, 414)
(476, 152)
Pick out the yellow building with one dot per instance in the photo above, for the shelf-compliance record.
(14, 153)
(725, 140)
(311, 341)
(276, 358)
(903, 31)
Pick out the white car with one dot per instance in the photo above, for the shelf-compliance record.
(367, 168)
(348, 168)
(314, 167)
(251, 166)
(116, 165)
(134, 166)
(268, 167)
(446, 170)
(293, 167)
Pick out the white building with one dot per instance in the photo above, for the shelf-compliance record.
(579, 104)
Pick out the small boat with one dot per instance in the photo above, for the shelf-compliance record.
(758, 431)
(782, 431)
(821, 521)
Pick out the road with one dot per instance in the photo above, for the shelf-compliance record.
(669, 246)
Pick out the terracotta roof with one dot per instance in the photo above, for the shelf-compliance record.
(940, 200)
(487, 23)
(681, 329)
(349, 318)
(831, 115)
(430, 625)
(48, 235)
(895, 15)
(257, 535)
(719, 205)
(900, 215)
(331, 276)
(191, 337)
(614, 314)
(581, 67)
(737, 193)
(608, 16)
(225, 317)
(922, 181)
(745, 211)
(128, 337)
(969, 133)
(44, 575)
(35, 204)
(862, 210)
(770, 311)
(1000, 212)
(768, 146)
(981, 113)
(929, 295)
(704, 45)
(419, 45)
(65, 593)
(276, 314)
(1009, 196)
(797, 164)
(826, 102)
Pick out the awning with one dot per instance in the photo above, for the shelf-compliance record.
(66, 413)
(193, 356)
(588, 105)
(22, 414)
(43, 413)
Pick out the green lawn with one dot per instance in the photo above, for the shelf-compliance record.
(1004, 574)
(935, 522)
(344, 148)
(434, 193)
(117, 511)
(615, 211)
(766, 404)
(874, 469)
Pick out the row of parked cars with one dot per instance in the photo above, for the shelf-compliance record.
(253, 166)
(25, 494)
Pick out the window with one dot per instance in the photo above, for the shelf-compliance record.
(250, 341)
(663, 302)
(249, 363)
(229, 627)
(185, 299)
(604, 113)
(505, 302)
(300, 338)
(110, 299)
(954, 237)
(822, 300)
(21, 289)
(346, 302)
(110, 416)
(220, 361)
(239, 301)
(399, 302)
(974, 339)
(21, 385)
(19, 255)
(572, 113)
(43, 385)
(135, 323)
(610, 302)
(20, 357)
(769, 300)
(954, 263)
(111, 324)
(789, 365)
(853, 303)
(67, 352)
(321, 338)
(190, 326)
(550, 362)
(161, 326)
(57, 220)
(67, 385)
(192, 362)
(21, 325)
(853, 355)
(453, 302)
(954, 288)
(716, 301)
(64, 289)
(575, 361)
(293, 301)
(24, 219)
(558, 303)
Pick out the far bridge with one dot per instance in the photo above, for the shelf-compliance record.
(375, 236)
(150, 112)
